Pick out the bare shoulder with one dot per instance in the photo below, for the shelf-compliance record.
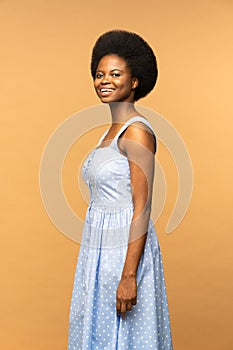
(142, 134)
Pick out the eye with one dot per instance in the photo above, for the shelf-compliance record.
(116, 75)
(99, 75)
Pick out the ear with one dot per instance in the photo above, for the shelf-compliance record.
(135, 83)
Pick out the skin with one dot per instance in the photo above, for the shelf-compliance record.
(114, 83)
(113, 74)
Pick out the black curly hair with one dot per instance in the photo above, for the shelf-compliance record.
(135, 51)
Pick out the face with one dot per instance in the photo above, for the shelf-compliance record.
(113, 81)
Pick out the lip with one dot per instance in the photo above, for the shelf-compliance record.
(106, 91)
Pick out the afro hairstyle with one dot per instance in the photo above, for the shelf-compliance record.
(135, 51)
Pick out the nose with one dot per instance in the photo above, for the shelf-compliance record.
(105, 80)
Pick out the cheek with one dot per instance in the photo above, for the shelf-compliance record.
(95, 84)
(124, 84)
(128, 85)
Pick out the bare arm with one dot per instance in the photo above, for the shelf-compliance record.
(139, 146)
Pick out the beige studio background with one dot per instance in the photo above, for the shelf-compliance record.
(45, 78)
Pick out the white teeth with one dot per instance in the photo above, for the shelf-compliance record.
(106, 90)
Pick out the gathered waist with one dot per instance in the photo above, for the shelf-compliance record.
(110, 208)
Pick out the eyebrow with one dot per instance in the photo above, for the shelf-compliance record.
(112, 70)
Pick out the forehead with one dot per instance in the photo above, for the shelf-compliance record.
(112, 61)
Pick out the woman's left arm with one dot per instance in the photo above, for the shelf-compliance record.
(139, 145)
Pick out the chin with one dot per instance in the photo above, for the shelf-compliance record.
(106, 100)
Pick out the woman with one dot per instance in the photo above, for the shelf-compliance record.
(119, 298)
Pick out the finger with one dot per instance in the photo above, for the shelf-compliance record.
(129, 306)
(123, 309)
(118, 307)
(134, 301)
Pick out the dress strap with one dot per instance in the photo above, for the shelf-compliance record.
(131, 121)
(102, 137)
(124, 127)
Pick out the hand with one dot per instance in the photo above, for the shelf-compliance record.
(126, 295)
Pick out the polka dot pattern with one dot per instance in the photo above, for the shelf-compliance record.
(94, 324)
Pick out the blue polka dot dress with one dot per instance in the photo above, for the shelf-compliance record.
(94, 323)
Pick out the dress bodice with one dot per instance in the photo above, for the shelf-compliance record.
(107, 174)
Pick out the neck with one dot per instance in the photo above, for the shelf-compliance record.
(122, 111)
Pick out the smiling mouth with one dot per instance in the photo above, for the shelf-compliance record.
(106, 91)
